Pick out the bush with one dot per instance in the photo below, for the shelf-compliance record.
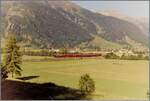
(133, 57)
(63, 50)
(148, 94)
(86, 84)
(111, 56)
(146, 57)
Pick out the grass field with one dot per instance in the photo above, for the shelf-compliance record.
(114, 79)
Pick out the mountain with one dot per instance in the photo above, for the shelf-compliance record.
(141, 22)
(53, 24)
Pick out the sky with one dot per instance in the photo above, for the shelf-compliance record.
(130, 8)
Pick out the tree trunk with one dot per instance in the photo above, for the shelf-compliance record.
(12, 74)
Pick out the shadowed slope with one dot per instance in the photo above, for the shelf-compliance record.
(27, 77)
(16, 90)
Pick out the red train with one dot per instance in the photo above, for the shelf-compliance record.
(69, 55)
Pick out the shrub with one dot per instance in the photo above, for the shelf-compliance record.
(148, 94)
(133, 57)
(146, 57)
(111, 56)
(63, 50)
(86, 84)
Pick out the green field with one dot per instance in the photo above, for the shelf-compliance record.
(114, 79)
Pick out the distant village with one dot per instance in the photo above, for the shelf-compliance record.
(109, 53)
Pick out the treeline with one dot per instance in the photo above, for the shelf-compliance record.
(126, 57)
(38, 53)
(134, 57)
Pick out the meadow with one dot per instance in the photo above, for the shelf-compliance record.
(114, 79)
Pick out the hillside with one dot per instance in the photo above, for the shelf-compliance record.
(49, 24)
(141, 22)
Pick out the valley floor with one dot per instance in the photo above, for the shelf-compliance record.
(114, 79)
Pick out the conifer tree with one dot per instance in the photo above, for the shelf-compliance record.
(11, 58)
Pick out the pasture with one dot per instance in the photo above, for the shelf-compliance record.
(114, 79)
